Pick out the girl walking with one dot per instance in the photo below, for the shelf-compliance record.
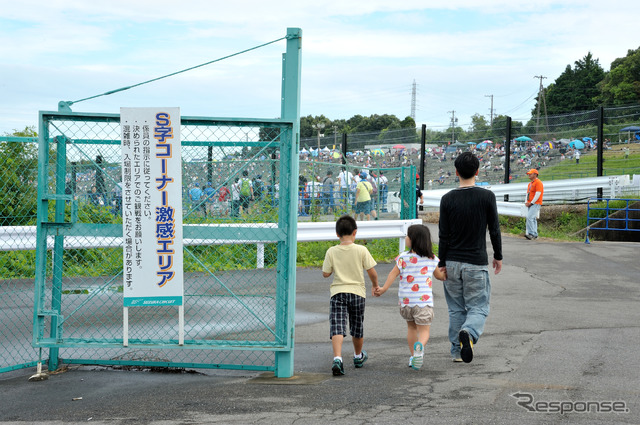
(416, 267)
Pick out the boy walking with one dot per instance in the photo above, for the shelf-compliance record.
(346, 262)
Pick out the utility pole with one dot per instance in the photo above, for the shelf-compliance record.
(454, 120)
(491, 96)
(320, 127)
(541, 99)
(413, 100)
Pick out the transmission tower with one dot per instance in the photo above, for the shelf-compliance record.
(413, 101)
(541, 99)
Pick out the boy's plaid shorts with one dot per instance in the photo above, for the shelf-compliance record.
(343, 306)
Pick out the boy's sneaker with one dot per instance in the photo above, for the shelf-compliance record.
(466, 346)
(337, 368)
(456, 357)
(418, 356)
(359, 361)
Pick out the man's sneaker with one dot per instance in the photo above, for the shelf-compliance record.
(337, 368)
(456, 358)
(528, 236)
(418, 356)
(359, 361)
(466, 346)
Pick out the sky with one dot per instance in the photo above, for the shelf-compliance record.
(358, 57)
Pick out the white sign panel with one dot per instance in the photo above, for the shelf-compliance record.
(152, 207)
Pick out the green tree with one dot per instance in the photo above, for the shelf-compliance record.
(18, 177)
(499, 131)
(479, 128)
(621, 85)
(575, 89)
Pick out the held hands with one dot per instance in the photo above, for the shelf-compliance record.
(377, 291)
(443, 272)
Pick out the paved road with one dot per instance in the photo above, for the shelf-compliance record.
(563, 331)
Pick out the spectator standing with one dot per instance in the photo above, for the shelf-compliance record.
(535, 189)
(363, 198)
(258, 188)
(384, 190)
(327, 192)
(195, 196)
(246, 192)
(419, 195)
(210, 198)
(345, 178)
(235, 198)
(223, 199)
(94, 197)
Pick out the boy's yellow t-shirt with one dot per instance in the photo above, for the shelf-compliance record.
(347, 263)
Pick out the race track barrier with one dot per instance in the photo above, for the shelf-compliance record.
(23, 238)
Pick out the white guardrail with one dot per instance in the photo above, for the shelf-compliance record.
(18, 238)
(23, 238)
(554, 191)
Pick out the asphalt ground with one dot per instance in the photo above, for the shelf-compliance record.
(560, 346)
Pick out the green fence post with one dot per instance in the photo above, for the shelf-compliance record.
(286, 286)
(41, 246)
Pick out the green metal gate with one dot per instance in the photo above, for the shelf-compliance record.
(239, 257)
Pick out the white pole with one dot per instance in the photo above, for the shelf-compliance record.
(181, 325)
(125, 326)
(401, 245)
(260, 259)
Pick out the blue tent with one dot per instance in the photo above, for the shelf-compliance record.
(576, 144)
(631, 128)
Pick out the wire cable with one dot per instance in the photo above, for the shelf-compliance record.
(176, 73)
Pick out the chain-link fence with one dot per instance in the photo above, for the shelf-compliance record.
(561, 146)
(19, 171)
(327, 190)
(236, 253)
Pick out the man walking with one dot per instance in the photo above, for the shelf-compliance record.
(534, 201)
(465, 214)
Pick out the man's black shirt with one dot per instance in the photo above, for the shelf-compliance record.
(465, 214)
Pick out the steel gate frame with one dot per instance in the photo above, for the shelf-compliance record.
(48, 320)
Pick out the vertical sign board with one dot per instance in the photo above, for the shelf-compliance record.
(152, 207)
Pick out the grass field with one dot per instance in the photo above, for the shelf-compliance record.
(614, 164)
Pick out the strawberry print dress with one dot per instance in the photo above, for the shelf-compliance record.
(416, 274)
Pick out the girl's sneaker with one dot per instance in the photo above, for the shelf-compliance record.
(418, 356)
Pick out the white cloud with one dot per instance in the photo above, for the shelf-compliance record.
(359, 57)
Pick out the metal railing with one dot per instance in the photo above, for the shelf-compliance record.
(613, 214)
